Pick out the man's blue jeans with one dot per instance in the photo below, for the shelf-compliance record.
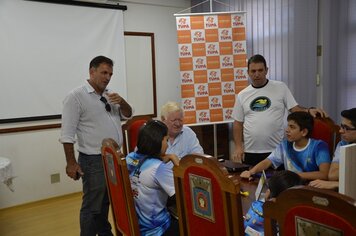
(95, 205)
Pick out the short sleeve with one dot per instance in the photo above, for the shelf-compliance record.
(323, 155)
(290, 101)
(238, 112)
(276, 157)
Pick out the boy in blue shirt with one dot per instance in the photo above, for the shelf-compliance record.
(348, 136)
(298, 152)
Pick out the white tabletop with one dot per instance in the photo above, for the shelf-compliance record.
(6, 175)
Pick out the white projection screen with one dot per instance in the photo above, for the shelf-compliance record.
(45, 50)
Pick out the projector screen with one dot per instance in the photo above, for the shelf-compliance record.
(45, 50)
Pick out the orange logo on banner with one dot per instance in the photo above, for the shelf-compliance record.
(216, 114)
(239, 47)
(225, 48)
(226, 61)
(238, 34)
(183, 23)
(225, 35)
(238, 21)
(240, 73)
(211, 22)
(201, 90)
(189, 104)
(187, 77)
(224, 21)
(203, 116)
(228, 88)
(199, 63)
(198, 49)
(212, 55)
(227, 74)
(240, 60)
(197, 22)
(214, 76)
(214, 89)
(186, 63)
(213, 62)
(212, 49)
(198, 36)
(227, 114)
(189, 117)
(240, 85)
(202, 103)
(228, 100)
(185, 50)
(184, 36)
(211, 35)
(187, 90)
(200, 76)
(215, 102)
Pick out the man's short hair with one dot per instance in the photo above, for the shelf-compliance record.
(96, 61)
(304, 120)
(168, 108)
(256, 59)
(350, 114)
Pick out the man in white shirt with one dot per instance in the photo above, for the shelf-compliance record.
(92, 113)
(259, 114)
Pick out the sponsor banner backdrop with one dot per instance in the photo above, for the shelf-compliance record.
(213, 64)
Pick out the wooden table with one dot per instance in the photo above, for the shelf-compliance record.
(249, 186)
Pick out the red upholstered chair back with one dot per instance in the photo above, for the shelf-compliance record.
(119, 189)
(309, 211)
(208, 198)
(130, 132)
(326, 130)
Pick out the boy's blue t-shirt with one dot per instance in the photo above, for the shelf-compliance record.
(305, 160)
(152, 183)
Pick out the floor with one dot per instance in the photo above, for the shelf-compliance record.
(56, 217)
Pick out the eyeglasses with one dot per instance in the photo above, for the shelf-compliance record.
(107, 105)
(345, 127)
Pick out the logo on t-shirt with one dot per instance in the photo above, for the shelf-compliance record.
(260, 104)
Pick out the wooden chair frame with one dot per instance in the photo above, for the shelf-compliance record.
(117, 178)
(230, 190)
(326, 200)
(126, 135)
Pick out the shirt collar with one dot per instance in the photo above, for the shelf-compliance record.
(90, 88)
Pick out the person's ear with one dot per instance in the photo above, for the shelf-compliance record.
(304, 132)
(91, 70)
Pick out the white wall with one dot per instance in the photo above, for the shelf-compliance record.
(35, 155)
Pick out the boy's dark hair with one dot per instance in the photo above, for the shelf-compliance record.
(351, 115)
(283, 180)
(150, 138)
(256, 59)
(96, 61)
(304, 120)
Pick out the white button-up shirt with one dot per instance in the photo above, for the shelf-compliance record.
(85, 115)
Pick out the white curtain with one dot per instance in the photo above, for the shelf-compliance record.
(338, 64)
